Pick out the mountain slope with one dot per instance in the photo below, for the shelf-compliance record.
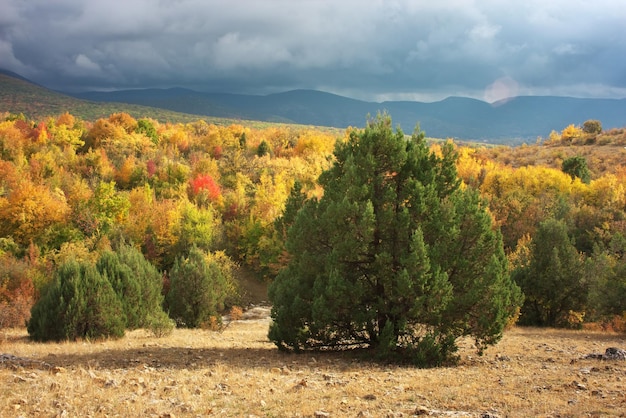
(19, 95)
(517, 120)
(513, 121)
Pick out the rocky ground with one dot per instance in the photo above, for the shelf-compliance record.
(238, 372)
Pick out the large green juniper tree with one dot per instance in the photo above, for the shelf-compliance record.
(395, 256)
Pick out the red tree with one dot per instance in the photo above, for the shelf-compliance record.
(205, 182)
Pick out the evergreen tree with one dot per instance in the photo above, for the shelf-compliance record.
(146, 127)
(577, 167)
(554, 280)
(263, 149)
(395, 256)
(199, 287)
(78, 303)
(136, 281)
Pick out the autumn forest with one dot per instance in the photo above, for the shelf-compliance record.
(178, 199)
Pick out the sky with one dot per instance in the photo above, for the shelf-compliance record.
(372, 50)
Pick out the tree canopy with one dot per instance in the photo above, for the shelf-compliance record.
(395, 256)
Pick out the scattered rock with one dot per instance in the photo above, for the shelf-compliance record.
(9, 360)
(58, 370)
(279, 370)
(19, 379)
(257, 313)
(611, 353)
(369, 397)
(614, 353)
(421, 410)
(300, 385)
(321, 414)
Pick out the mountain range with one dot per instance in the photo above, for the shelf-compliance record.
(516, 120)
(512, 121)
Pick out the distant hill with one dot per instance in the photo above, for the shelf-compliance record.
(513, 121)
(517, 120)
(20, 95)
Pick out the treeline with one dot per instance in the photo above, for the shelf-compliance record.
(563, 223)
(194, 200)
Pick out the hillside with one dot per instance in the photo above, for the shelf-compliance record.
(19, 95)
(513, 122)
(521, 119)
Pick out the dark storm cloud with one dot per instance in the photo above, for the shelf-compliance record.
(374, 50)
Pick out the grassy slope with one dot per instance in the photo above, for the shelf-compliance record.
(36, 102)
(601, 159)
(19, 96)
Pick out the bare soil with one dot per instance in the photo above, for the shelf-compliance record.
(239, 373)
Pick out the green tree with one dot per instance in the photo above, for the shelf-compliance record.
(394, 256)
(553, 281)
(577, 167)
(108, 207)
(146, 127)
(592, 126)
(200, 285)
(607, 289)
(263, 149)
(79, 303)
(137, 283)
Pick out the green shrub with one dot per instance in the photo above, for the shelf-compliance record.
(137, 283)
(592, 126)
(577, 167)
(554, 280)
(199, 288)
(78, 303)
(263, 149)
(160, 324)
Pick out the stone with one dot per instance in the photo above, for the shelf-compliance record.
(421, 410)
(614, 353)
(611, 353)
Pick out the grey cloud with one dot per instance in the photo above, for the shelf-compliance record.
(370, 50)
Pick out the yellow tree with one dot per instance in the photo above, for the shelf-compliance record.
(571, 133)
(140, 214)
(29, 209)
(124, 120)
(12, 141)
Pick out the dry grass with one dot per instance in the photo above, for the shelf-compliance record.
(600, 159)
(238, 373)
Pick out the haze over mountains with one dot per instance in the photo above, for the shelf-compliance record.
(513, 121)
(517, 120)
